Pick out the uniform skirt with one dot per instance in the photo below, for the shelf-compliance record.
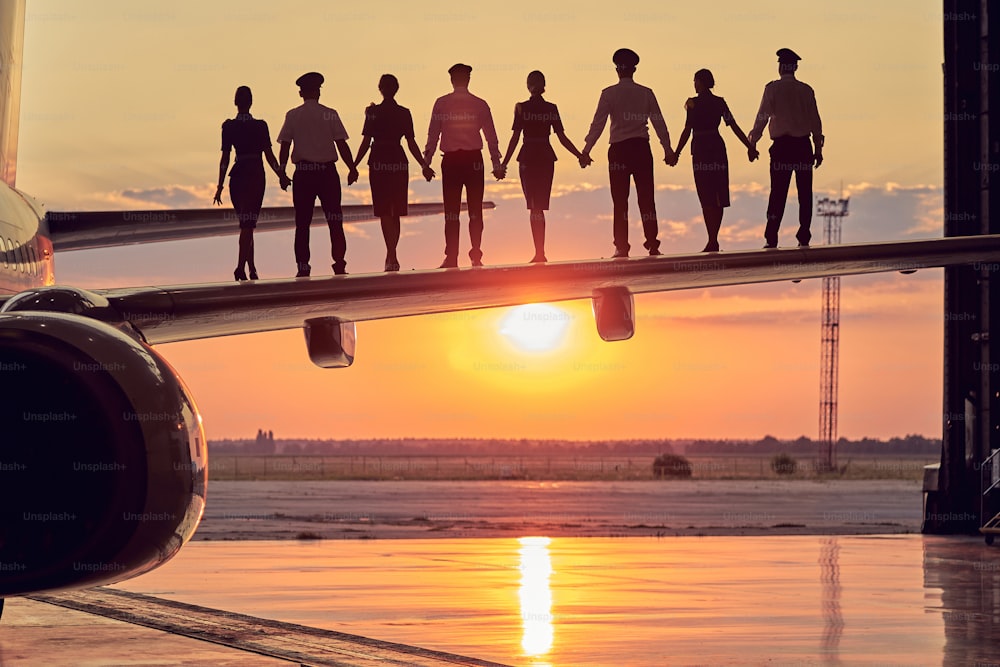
(246, 191)
(389, 177)
(711, 169)
(536, 183)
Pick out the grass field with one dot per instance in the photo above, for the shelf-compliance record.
(275, 467)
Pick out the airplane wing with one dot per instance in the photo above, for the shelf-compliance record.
(101, 229)
(188, 312)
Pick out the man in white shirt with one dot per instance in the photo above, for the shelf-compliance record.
(314, 135)
(790, 107)
(460, 120)
(630, 106)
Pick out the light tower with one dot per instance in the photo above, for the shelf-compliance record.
(833, 212)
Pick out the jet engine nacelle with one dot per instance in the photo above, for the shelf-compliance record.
(103, 461)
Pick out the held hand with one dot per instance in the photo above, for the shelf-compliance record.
(352, 176)
(284, 181)
(585, 160)
(429, 173)
(753, 153)
(670, 157)
(818, 158)
(218, 196)
(499, 172)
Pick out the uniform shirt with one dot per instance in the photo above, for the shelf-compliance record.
(790, 106)
(248, 135)
(458, 118)
(705, 112)
(313, 130)
(386, 124)
(629, 106)
(536, 118)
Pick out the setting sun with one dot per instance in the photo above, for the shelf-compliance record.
(536, 327)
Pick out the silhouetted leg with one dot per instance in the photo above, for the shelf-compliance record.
(304, 200)
(642, 170)
(803, 183)
(618, 176)
(246, 248)
(538, 234)
(781, 178)
(250, 257)
(246, 191)
(475, 186)
(451, 194)
(329, 199)
(713, 222)
(390, 232)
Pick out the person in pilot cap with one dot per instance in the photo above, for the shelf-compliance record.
(460, 120)
(788, 106)
(314, 135)
(630, 106)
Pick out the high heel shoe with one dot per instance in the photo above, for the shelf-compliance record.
(253, 273)
(240, 274)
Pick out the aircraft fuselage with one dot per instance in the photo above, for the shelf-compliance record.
(26, 258)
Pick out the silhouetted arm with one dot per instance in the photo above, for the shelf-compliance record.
(567, 144)
(433, 133)
(286, 149)
(596, 126)
(492, 141)
(366, 143)
(271, 160)
(739, 133)
(223, 168)
(660, 125)
(816, 128)
(682, 142)
(227, 147)
(345, 155)
(763, 115)
(727, 116)
(514, 138)
(275, 167)
(557, 127)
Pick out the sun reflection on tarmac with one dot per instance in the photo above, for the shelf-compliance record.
(538, 633)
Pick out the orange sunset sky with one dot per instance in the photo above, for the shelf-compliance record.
(121, 108)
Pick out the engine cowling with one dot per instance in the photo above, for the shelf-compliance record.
(103, 460)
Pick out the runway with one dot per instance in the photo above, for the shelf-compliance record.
(539, 601)
(420, 509)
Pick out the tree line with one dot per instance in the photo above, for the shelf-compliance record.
(265, 443)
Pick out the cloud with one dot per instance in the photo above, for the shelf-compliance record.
(165, 196)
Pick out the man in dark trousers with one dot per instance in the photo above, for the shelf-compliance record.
(789, 105)
(314, 134)
(630, 106)
(460, 120)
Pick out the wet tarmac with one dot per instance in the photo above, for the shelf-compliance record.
(772, 600)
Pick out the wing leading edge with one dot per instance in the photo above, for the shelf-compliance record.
(188, 312)
(102, 229)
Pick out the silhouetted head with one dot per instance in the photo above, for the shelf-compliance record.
(460, 75)
(703, 80)
(309, 84)
(536, 83)
(788, 61)
(388, 85)
(243, 98)
(625, 61)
